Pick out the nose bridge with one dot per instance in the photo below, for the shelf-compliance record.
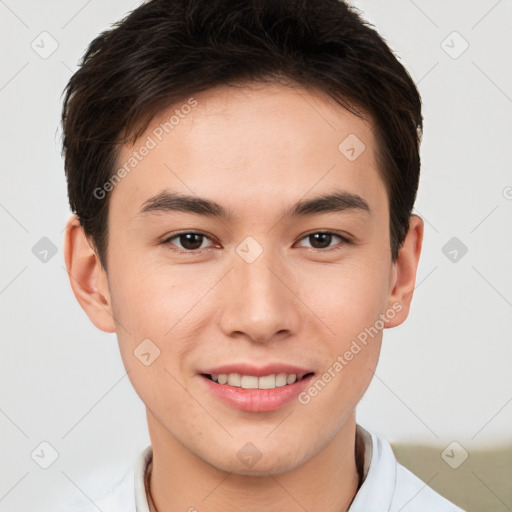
(259, 300)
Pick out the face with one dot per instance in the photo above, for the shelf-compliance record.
(252, 274)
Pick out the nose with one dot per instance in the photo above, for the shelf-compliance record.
(260, 300)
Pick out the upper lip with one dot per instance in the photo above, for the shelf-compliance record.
(257, 371)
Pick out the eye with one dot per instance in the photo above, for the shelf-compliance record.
(189, 241)
(192, 241)
(323, 239)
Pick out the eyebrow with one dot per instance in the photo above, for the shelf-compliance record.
(336, 201)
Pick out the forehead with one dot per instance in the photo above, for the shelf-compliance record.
(255, 145)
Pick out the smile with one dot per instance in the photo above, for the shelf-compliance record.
(254, 382)
(252, 393)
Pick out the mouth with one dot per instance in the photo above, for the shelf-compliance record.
(271, 381)
(256, 389)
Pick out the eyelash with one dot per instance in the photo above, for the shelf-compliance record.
(167, 241)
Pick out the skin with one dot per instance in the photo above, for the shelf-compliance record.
(255, 150)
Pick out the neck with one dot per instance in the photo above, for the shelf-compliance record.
(179, 480)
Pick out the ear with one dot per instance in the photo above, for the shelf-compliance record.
(404, 272)
(87, 277)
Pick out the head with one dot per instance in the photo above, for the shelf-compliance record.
(243, 176)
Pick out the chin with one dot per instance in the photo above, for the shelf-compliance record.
(274, 463)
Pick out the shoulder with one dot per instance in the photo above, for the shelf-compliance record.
(108, 491)
(112, 489)
(389, 486)
(413, 495)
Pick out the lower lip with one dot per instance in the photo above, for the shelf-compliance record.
(257, 400)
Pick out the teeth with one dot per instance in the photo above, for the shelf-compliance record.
(234, 379)
(280, 380)
(249, 382)
(267, 382)
(253, 382)
(290, 379)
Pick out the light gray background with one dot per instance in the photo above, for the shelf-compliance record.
(443, 376)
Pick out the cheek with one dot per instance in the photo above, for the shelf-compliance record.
(348, 297)
(166, 305)
(157, 328)
(154, 297)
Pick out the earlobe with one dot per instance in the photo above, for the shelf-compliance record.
(87, 277)
(406, 266)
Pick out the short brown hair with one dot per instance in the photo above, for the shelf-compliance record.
(167, 50)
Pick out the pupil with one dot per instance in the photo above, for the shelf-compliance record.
(191, 241)
(324, 240)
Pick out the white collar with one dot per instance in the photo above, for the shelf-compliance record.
(378, 487)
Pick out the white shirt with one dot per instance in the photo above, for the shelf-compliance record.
(387, 486)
